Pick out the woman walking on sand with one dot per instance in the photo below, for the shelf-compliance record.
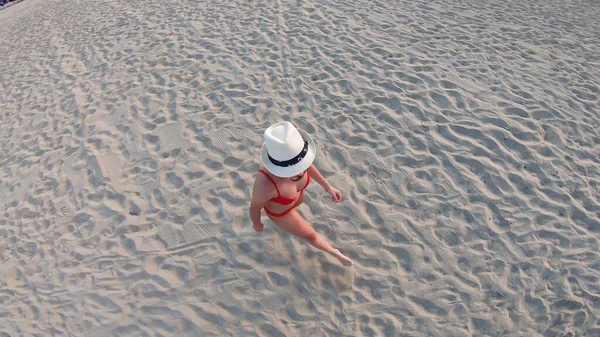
(287, 156)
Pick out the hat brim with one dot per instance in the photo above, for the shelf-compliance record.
(290, 171)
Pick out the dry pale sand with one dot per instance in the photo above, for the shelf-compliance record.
(463, 134)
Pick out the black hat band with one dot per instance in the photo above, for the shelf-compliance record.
(293, 161)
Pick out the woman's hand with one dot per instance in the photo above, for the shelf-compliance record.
(258, 226)
(336, 195)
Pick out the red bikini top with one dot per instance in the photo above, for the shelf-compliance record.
(281, 199)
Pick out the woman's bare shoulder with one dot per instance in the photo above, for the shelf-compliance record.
(263, 187)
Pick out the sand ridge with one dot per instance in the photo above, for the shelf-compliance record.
(462, 134)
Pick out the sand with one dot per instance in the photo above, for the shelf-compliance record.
(464, 136)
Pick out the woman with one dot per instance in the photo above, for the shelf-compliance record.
(287, 156)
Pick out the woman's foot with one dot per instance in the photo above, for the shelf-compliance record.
(346, 261)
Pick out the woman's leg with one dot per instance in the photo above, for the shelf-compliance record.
(295, 224)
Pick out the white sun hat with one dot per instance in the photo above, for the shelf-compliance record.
(287, 151)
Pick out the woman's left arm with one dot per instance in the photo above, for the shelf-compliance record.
(318, 177)
(336, 196)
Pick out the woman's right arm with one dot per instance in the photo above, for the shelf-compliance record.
(260, 196)
(255, 214)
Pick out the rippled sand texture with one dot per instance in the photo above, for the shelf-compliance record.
(464, 136)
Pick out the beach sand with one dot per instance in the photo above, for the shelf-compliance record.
(464, 136)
